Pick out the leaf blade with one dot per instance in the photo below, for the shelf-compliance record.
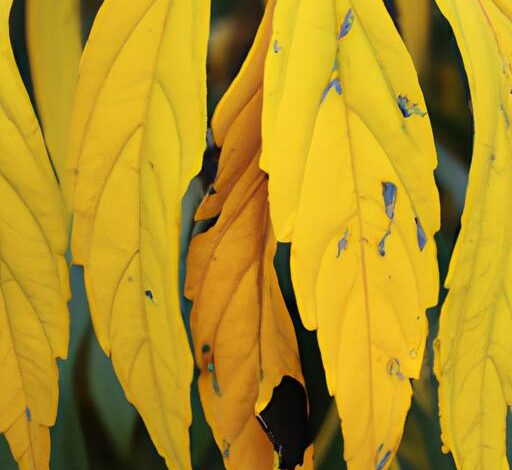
(472, 346)
(137, 139)
(54, 45)
(350, 156)
(34, 288)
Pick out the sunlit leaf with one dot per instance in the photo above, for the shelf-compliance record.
(34, 288)
(137, 137)
(474, 357)
(348, 147)
(244, 339)
(54, 45)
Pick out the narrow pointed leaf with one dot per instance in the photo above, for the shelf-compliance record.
(34, 288)
(137, 137)
(350, 155)
(474, 350)
(54, 45)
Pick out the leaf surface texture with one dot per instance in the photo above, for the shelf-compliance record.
(137, 137)
(244, 338)
(54, 45)
(474, 351)
(349, 150)
(34, 289)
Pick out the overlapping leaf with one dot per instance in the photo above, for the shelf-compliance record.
(54, 45)
(137, 137)
(348, 147)
(33, 272)
(415, 19)
(244, 339)
(474, 358)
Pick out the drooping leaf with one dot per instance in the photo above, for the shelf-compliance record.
(243, 336)
(34, 288)
(349, 150)
(474, 356)
(137, 137)
(54, 45)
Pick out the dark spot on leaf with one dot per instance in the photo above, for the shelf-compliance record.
(389, 191)
(409, 109)
(382, 462)
(285, 421)
(347, 24)
(382, 243)
(215, 382)
(422, 238)
(226, 449)
(28, 414)
(342, 244)
(334, 83)
(393, 368)
(277, 47)
(205, 348)
(149, 295)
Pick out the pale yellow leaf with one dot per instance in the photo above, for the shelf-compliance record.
(137, 138)
(34, 288)
(54, 45)
(474, 348)
(348, 147)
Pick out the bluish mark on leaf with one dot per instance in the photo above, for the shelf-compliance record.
(277, 47)
(389, 193)
(226, 449)
(334, 83)
(342, 244)
(205, 349)
(149, 295)
(422, 238)
(28, 414)
(382, 462)
(215, 382)
(347, 24)
(409, 109)
(382, 243)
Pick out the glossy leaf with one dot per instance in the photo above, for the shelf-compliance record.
(34, 289)
(244, 339)
(54, 45)
(349, 150)
(473, 361)
(137, 137)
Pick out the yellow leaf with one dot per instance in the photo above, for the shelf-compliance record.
(415, 19)
(137, 138)
(34, 289)
(244, 338)
(54, 45)
(349, 150)
(474, 351)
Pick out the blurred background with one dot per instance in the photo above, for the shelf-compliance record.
(97, 429)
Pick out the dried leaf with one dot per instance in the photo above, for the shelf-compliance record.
(54, 45)
(349, 150)
(137, 137)
(244, 339)
(474, 351)
(34, 289)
